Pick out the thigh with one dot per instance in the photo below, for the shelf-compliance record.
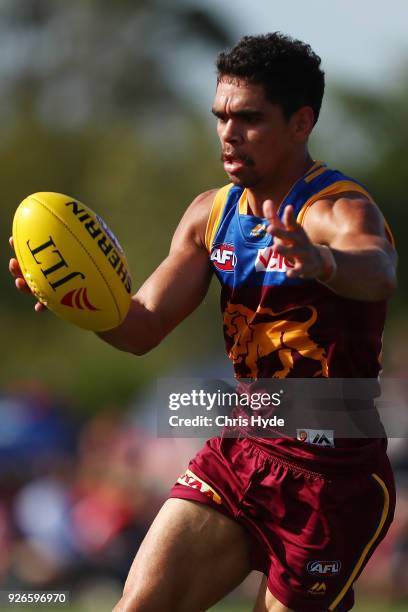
(191, 557)
(266, 602)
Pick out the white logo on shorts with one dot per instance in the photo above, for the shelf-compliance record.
(324, 568)
(321, 437)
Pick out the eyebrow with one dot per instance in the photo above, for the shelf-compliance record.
(247, 112)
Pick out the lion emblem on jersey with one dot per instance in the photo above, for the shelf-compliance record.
(282, 336)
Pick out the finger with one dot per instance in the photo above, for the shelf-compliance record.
(14, 268)
(287, 236)
(267, 209)
(290, 251)
(296, 272)
(11, 242)
(289, 219)
(22, 285)
(293, 226)
(283, 234)
(270, 214)
(38, 307)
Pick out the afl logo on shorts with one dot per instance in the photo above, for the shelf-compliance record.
(324, 568)
(223, 257)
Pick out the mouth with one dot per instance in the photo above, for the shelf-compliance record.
(235, 163)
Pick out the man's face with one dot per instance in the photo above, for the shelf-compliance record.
(256, 138)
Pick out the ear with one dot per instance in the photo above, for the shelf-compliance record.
(302, 122)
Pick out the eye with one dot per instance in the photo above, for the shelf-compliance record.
(219, 116)
(251, 118)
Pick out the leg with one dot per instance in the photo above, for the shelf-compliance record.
(266, 602)
(191, 558)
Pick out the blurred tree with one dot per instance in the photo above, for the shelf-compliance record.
(93, 104)
(90, 107)
(380, 122)
(72, 62)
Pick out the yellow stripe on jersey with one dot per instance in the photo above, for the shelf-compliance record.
(333, 189)
(243, 203)
(336, 189)
(316, 165)
(368, 547)
(215, 215)
(313, 175)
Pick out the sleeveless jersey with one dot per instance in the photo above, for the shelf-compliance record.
(279, 327)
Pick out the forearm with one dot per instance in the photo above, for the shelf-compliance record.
(167, 297)
(363, 274)
(139, 333)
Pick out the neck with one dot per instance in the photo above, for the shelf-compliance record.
(277, 187)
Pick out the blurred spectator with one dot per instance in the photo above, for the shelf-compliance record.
(76, 501)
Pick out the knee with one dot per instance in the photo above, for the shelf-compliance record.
(122, 605)
(132, 604)
(142, 602)
(129, 604)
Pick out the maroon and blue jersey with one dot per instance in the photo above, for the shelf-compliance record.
(279, 327)
(315, 510)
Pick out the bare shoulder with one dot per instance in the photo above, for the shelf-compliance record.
(193, 223)
(201, 205)
(345, 212)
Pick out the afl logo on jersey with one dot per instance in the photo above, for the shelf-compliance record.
(223, 257)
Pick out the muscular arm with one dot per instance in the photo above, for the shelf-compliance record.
(353, 228)
(174, 289)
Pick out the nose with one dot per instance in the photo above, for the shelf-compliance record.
(229, 131)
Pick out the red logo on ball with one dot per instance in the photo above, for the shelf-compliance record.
(78, 298)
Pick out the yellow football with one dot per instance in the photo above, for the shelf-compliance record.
(72, 261)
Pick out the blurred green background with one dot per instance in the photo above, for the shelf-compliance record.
(93, 104)
(109, 102)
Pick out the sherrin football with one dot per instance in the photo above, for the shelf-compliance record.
(71, 261)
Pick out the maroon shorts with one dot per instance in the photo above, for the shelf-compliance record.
(314, 521)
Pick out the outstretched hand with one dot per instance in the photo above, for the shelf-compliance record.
(15, 271)
(291, 241)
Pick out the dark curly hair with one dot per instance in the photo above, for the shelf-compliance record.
(287, 68)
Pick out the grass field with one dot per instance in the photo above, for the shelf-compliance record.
(243, 606)
(367, 606)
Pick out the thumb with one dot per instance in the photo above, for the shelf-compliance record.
(269, 211)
